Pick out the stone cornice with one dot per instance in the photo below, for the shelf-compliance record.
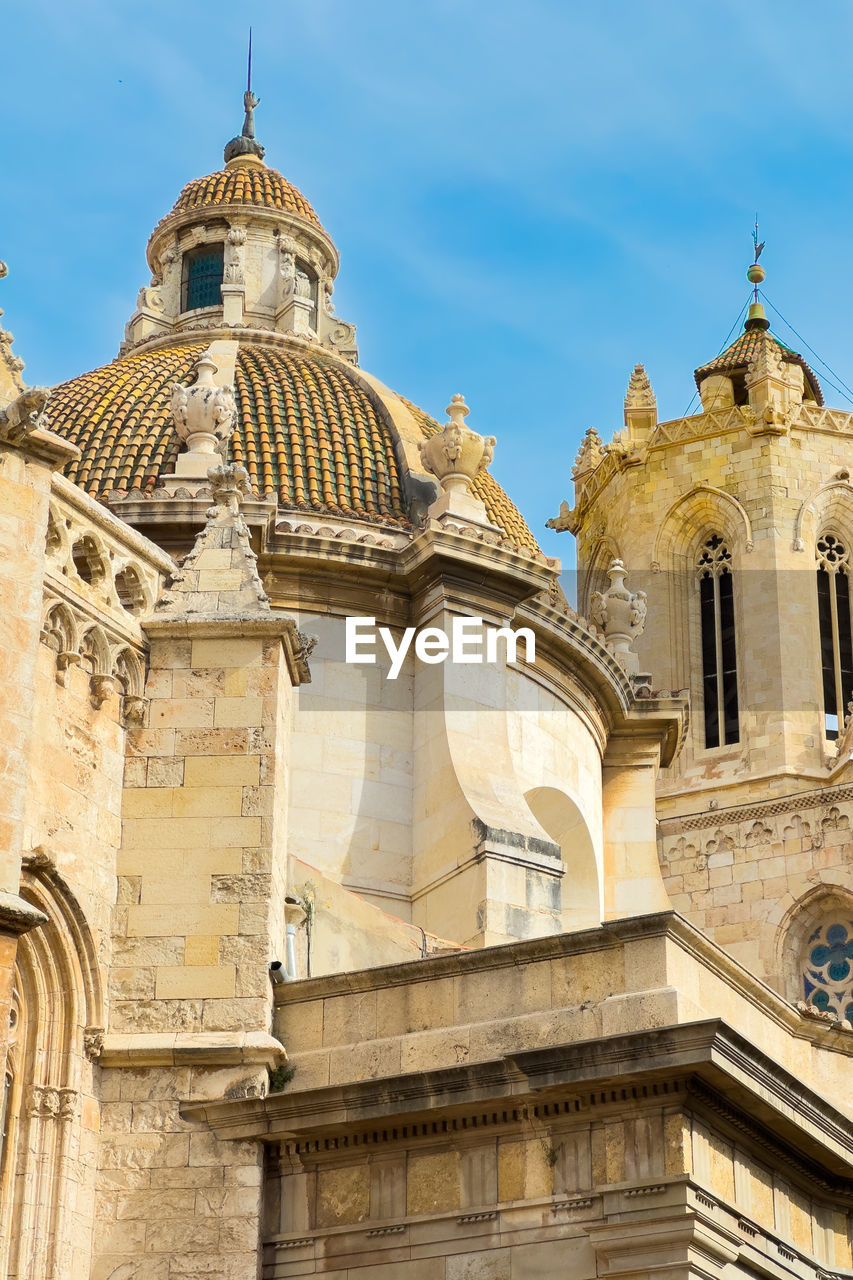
(231, 212)
(192, 1049)
(796, 802)
(18, 916)
(677, 433)
(613, 934)
(44, 445)
(216, 627)
(704, 1061)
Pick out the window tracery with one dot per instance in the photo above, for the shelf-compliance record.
(719, 657)
(827, 968)
(836, 643)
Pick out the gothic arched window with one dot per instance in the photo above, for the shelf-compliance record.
(836, 649)
(719, 659)
(827, 968)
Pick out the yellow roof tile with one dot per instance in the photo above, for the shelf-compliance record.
(246, 184)
(306, 431)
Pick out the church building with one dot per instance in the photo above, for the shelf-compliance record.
(369, 910)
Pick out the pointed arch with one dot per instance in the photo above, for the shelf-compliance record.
(127, 667)
(702, 509)
(60, 997)
(800, 924)
(95, 649)
(704, 629)
(59, 629)
(832, 503)
(594, 575)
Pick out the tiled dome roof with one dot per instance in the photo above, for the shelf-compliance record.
(743, 350)
(306, 431)
(250, 183)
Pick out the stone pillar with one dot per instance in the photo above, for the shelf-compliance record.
(200, 914)
(29, 454)
(233, 300)
(633, 884)
(202, 863)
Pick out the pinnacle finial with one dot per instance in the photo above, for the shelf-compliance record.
(756, 318)
(246, 144)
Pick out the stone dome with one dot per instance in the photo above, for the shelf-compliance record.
(314, 431)
(311, 429)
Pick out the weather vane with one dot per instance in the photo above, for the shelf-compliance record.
(755, 274)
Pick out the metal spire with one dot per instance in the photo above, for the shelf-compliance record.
(756, 318)
(246, 145)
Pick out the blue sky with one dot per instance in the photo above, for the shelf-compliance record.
(527, 198)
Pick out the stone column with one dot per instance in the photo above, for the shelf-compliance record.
(202, 874)
(29, 454)
(633, 884)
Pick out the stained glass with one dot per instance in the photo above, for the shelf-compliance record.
(202, 277)
(828, 971)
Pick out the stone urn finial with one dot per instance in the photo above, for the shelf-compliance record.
(456, 454)
(203, 413)
(621, 615)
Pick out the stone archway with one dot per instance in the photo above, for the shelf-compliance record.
(582, 890)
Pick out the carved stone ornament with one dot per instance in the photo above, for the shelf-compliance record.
(26, 413)
(766, 363)
(133, 709)
(304, 646)
(640, 394)
(233, 272)
(49, 1103)
(203, 413)
(93, 1042)
(149, 298)
(456, 454)
(230, 484)
(102, 688)
(620, 614)
(589, 454)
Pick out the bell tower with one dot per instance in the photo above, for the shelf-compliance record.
(718, 517)
(737, 523)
